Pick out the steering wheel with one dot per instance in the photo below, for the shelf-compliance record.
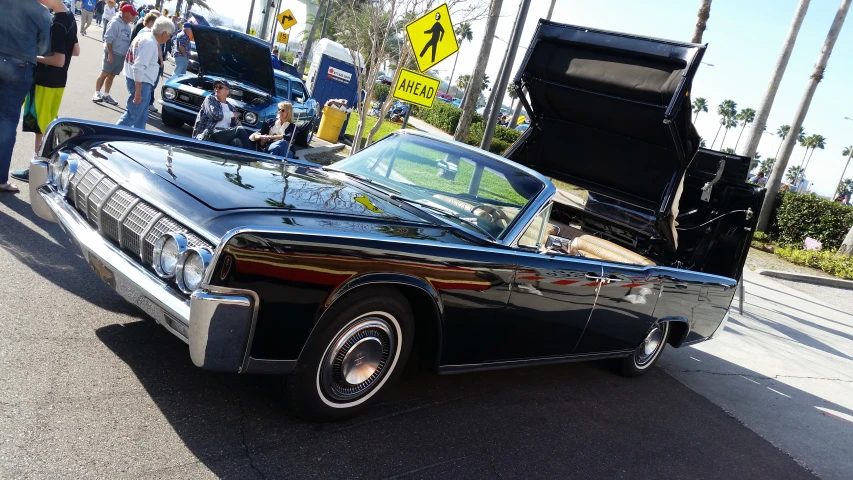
(495, 215)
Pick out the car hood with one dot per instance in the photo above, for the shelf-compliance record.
(235, 56)
(223, 181)
(610, 113)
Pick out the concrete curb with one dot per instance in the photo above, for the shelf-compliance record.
(799, 277)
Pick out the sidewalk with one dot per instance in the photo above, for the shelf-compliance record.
(785, 369)
(425, 127)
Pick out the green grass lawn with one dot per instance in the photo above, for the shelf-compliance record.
(386, 128)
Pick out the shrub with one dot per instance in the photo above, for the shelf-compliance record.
(380, 92)
(761, 237)
(475, 136)
(800, 216)
(829, 262)
(443, 115)
(286, 57)
(506, 134)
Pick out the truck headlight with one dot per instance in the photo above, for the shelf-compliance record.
(169, 93)
(191, 267)
(251, 118)
(167, 252)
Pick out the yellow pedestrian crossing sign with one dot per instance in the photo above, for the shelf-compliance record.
(286, 19)
(432, 37)
(414, 87)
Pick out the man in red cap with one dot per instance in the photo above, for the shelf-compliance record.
(116, 43)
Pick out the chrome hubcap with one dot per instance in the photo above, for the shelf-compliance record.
(650, 346)
(357, 359)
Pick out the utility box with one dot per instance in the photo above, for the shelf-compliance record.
(333, 73)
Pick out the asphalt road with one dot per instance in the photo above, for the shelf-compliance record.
(90, 388)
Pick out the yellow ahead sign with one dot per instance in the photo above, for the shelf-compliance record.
(283, 37)
(416, 88)
(432, 37)
(286, 19)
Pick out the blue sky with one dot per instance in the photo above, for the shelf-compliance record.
(744, 38)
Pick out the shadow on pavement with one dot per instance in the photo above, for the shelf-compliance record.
(565, 421)
(61, 264)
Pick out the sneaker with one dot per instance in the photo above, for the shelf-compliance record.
(152, 109)
(22, 175)
(97, 98)
(107, 98)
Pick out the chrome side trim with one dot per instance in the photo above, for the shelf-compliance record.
(530, 362)
(219, 330)
(137, 285)
(38, 177)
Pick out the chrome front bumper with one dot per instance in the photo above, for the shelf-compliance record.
(217, 326)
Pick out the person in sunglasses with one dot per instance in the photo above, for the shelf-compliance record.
(276, 134)
(217, 120)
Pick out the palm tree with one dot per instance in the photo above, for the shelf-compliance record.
(756, 160)
(845, 187)
(699, 105)
(794, 173)
(463, 33)
(746, 116)
(202, 4)
(782, 132)
(701, 20)
(817, 141)
(727, 109)
(729, 150)
(774, 182)
(462, 81)
(702, 142)
(847, 152)
(766, 165)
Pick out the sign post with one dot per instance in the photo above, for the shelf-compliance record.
(432, 37)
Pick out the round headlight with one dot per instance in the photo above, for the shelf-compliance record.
(167, 251)
(66, 173)
(169, 93)
(251, 118)
(191, 267)
(54, 166)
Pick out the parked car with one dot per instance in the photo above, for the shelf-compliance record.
(384, 79)
(523, 127)
(595, 239)
(256, 87)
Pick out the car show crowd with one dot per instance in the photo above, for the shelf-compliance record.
(34, 65)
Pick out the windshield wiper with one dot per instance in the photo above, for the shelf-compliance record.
(363, 179)
(445, 212)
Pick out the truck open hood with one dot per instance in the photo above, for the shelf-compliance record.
(234, 56)
(610, 113)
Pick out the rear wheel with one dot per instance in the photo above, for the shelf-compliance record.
(647, 353)
(170, 120)
(355, 356)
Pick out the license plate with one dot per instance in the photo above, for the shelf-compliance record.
(105, 273)
(184, 97)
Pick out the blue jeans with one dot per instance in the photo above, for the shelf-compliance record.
(181, 65)
(136, 115)
(279, 148)
(16, 77)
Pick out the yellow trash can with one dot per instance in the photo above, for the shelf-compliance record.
(331, 124)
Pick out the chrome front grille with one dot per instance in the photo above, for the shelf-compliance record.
(121, 216)
(99, 196)
(135, 225)
(114, 211)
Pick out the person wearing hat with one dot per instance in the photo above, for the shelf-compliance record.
(116, 44)
(141, 68)
(217, 120)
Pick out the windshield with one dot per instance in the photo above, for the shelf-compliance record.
(481, 193)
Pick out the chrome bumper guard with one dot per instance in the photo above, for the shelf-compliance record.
(215, 325)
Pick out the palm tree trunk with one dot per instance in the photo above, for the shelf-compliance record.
(701, 21)
(775, 180)
(469, 102)
(304, 59)
(739, 135)
(452, 72)
(715, 136)
(847, 244)
(723, 141)
(179, 6)
(249, 22)
(695, 117)
(754, 137)
(780, 148)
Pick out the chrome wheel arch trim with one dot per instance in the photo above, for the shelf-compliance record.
(393, 361)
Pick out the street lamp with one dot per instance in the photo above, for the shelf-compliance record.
(709, 64)
(849, 154)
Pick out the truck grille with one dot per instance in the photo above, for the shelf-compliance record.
(121, 216)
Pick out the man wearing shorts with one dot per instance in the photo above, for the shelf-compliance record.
(116, 43)
(87, 14)
(41, 105)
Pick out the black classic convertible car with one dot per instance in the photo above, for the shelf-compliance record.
(606, 233)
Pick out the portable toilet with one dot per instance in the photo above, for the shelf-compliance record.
(332, 73)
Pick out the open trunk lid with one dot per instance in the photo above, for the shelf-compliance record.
(610, 114)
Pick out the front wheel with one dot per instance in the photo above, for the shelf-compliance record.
(356, 355)
(170, 120)
(647, 353)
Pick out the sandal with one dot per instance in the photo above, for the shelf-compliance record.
(9, 188)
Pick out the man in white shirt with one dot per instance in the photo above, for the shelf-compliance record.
(141, 68)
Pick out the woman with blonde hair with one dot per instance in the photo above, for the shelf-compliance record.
(277, 134)
(110, 12)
